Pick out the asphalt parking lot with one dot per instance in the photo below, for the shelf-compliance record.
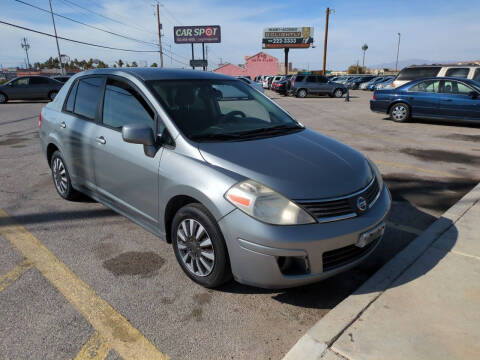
(95, 272)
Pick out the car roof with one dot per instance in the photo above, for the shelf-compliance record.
(146, 74)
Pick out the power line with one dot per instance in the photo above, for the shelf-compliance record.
(88, 25)
(77, 41)
(105, 17)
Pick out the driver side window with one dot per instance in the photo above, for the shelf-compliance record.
(21, 82)
(124, 105)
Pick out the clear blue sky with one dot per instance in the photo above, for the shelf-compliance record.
(431, 30)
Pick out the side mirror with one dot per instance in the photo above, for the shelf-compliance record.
(138, 134)
(474, 94)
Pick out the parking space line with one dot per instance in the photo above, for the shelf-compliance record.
(12, 276)
(405, 228)
(405, 166)
(127, 341)
(94, 349)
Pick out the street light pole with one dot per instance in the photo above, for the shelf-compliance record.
(56, 39)
(398, 51)
(326, 40)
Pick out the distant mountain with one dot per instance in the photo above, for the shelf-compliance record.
(403, 63)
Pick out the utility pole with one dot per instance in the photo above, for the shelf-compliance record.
(325, 41)
(160, 35)
(206, 56)
(398, 51)
(56, 39)
(26, 46)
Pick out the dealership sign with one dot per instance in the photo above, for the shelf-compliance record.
(287, 37)
(197, 34)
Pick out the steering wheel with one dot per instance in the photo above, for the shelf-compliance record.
(236, 113)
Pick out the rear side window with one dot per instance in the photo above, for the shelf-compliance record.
(71, 98)
(476, 76)
(299, 78)
(38, 81)
(418, 72)
(322, 79)
(88, 93)
(458, 72)
(311, 79)
(124, 105)
(430, 86)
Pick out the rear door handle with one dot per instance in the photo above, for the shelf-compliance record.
(63, 125)
(101, 140)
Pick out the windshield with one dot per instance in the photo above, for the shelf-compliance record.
(221, 110)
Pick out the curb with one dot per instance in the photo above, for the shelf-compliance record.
(313, 345)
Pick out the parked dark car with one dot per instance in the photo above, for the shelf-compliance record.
(354, 84)
(436, 97)
(283, 86)
(303, 85)
(30, 88)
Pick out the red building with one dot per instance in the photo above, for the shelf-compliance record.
(258, 64)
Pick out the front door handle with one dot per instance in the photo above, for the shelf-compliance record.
(101, 140)
(63, 125)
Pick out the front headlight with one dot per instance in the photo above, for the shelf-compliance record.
(265, 204)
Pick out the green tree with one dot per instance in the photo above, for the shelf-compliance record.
(154, 65)
(356, 69)
(134, 64)
(120, 63)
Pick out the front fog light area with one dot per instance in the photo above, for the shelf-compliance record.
(293, 265)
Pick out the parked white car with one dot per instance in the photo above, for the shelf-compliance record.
(415, 72)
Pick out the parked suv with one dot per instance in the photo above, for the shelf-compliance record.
(218, 170)
(303, 85)
(415, 72)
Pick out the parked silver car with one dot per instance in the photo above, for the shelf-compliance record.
(217, 169)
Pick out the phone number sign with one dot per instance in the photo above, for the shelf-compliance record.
(197, 34)
(287, 37)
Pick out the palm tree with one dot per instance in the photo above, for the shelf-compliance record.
(364, 48)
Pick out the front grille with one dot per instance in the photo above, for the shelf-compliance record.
(341, 208)
(336, 258)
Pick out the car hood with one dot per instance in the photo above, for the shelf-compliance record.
(303, 165)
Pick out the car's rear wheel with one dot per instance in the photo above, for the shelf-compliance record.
(61, 177)
(301, 93)
(338, 93)
(400, 112)
(3, 98)
(52, 95)
(199, 246)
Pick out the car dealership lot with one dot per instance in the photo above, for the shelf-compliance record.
(428, 166)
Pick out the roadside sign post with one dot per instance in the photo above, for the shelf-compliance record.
(200, 34)
(286, 38)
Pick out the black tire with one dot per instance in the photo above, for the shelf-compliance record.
(338, 93)
(220, 271)
(301, 93)
(52, 95)
(65, 190)
(3, 98)
(400, 112)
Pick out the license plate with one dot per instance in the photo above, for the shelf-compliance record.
(368, 236)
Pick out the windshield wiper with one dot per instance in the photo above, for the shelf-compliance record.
(213, 137)
(279, 129)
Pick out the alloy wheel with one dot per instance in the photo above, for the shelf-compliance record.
(338, 93)
(52, 95)
(399, 112)
(60, 176)
(2, 98)
(195, 247)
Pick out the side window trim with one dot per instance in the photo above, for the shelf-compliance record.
(156, 117)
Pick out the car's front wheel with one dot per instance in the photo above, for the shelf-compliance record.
(199, 246)
(338, 93)
(52, 95)
(400, 112)
(301, 93)
(61, 177)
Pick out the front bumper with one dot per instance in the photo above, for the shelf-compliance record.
(255, 248)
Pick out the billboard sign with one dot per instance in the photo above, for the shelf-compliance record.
(287, 37)
(197, 34)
